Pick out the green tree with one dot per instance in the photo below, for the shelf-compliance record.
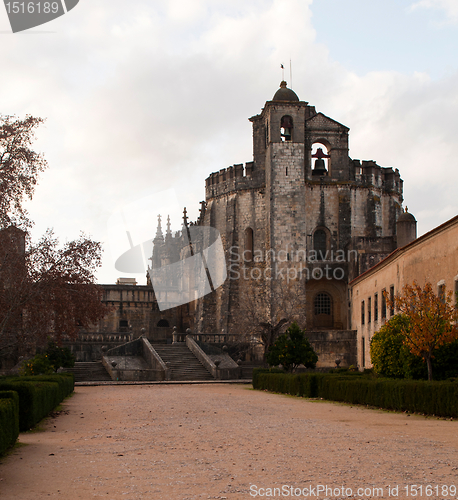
(389, 354)
(292, 349)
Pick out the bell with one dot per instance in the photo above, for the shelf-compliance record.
(319, 154)
(286, 134)
(320, 167)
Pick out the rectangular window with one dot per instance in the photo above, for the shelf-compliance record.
(392, 300)
(441, 292)
(362, 312)
(383, 304)
(376, 307)
(369, 309)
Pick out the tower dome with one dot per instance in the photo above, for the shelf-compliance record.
(285, 94)
(406, 228)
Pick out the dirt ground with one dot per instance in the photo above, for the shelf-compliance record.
(220, 441)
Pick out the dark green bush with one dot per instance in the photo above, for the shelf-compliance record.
(302, 384)
(49, 361)
(59, 356)
(259, 371)
(9, 419)
(37, 395)
(38, 365)
(419, 396)
(65, 381)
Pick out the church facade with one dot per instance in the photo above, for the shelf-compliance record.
(301, 214)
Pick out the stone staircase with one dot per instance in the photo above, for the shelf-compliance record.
(89, 372)
(183, 363)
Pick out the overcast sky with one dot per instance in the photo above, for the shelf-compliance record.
(146, 96)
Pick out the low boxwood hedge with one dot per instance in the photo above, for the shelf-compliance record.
(419, 396)
(38, 395)
(9, 419)
(65, 381)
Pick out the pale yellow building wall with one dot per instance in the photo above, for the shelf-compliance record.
(431, 258)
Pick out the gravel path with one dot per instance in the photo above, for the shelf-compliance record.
(183, 442)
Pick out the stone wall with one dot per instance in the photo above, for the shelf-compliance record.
(334, 344)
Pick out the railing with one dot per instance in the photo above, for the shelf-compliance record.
(216, 338)
(206, 338)
(105, 337)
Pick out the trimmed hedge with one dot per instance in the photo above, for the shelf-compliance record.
(305, 384)
(9, 419)
(419, 396)
(37, 395)
(66, 382)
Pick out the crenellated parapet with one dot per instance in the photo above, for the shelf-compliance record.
(238, 177)
(369, 174)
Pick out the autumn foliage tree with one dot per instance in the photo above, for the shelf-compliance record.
(20, 167)
(46, 291)
(431, 320)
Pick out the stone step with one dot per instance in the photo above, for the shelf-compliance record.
(89, 372)
(183, 364)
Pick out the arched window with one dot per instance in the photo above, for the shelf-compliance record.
(248, 251)
(286, 128)
(323, 304)
(320, 244)
(163, 323)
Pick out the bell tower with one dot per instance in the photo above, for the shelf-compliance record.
(280, 150)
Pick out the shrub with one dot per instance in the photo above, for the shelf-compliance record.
(433, 398)
(59, 356)
(37, 396)
(39, 364)
(9, 419)
(49, 362)
(65, 381)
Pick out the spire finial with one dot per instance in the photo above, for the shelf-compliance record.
(169, 231)
(159, 235)
(185, 217)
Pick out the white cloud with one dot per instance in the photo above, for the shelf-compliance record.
(146, 96)
(450, 7)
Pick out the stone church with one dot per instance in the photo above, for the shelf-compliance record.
(290, 230)
(302, 212)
